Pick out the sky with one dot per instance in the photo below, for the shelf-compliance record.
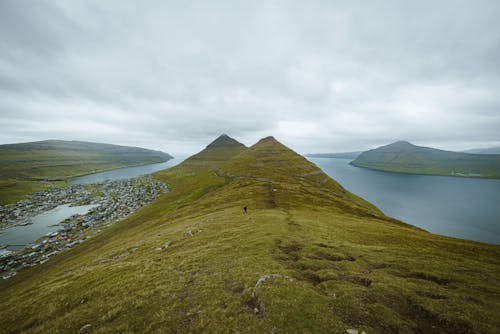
(320, 76)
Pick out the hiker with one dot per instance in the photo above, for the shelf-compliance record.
(245, 209)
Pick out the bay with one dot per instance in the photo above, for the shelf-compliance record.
(125, 173)
(17, 237)
(467, 208)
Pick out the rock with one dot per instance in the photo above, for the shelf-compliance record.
(85, 327)
(158, 248)
(352, 331)
(189, 233)
(256, 310)
(123, 255)
(263, 278)
(167, 244)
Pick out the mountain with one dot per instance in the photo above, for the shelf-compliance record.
(339, 155)
(307, 257)
(487, 150)
(222, 148)
(28, 167)
(404, 157)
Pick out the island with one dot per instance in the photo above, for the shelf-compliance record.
(404, 157)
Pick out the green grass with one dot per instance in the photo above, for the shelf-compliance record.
(403, 157)
(29, 167)
(352, 267)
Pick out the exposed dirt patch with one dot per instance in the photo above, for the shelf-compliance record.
(322, 245)
(357, 280)
(291, 247)
(255, 306)
(420, 318)
(331, 257)
(430, 322)
(311, 277)
(429, 277)
(431, 295)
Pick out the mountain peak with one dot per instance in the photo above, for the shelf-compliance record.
(268, 141)
(401, 143)
(225, 141)
(222, 148)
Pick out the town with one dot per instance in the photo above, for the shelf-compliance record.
(112, 202)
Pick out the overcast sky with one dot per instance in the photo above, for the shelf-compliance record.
(320, 76)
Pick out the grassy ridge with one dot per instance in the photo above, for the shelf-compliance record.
(341, 262)
(404, 157)
(29, 167)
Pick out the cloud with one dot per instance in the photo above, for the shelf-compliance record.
(320, 76)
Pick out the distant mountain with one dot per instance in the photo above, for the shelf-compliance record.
(488, 150)
(307, 256)
(29, 167)
(340, 155)
(405, 157)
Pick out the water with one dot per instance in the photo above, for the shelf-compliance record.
(125, 173)
(18, 236)
(465, 208)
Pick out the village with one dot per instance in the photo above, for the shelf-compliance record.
(112, 202)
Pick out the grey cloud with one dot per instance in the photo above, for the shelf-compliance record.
(320, 76)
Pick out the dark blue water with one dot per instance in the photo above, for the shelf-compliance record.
(459, 207)
(125, 173)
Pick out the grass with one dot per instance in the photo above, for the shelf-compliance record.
(30, 167)
(351, 266)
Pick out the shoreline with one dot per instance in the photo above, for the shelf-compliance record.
(115, 201)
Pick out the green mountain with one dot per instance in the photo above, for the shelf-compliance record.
(222, 148)
(28, 167)
(339, 155)
(308, 257)
(404, 157)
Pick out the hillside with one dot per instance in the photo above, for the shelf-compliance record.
(28, 167)
(308, 257)
(404, 157)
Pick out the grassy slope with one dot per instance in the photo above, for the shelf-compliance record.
(407, 158)
(352, 267)
(29, 167)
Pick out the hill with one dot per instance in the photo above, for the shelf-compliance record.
(404, 157)
(486, 150)
(28, 167)
(340, 155)
(308, 257)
